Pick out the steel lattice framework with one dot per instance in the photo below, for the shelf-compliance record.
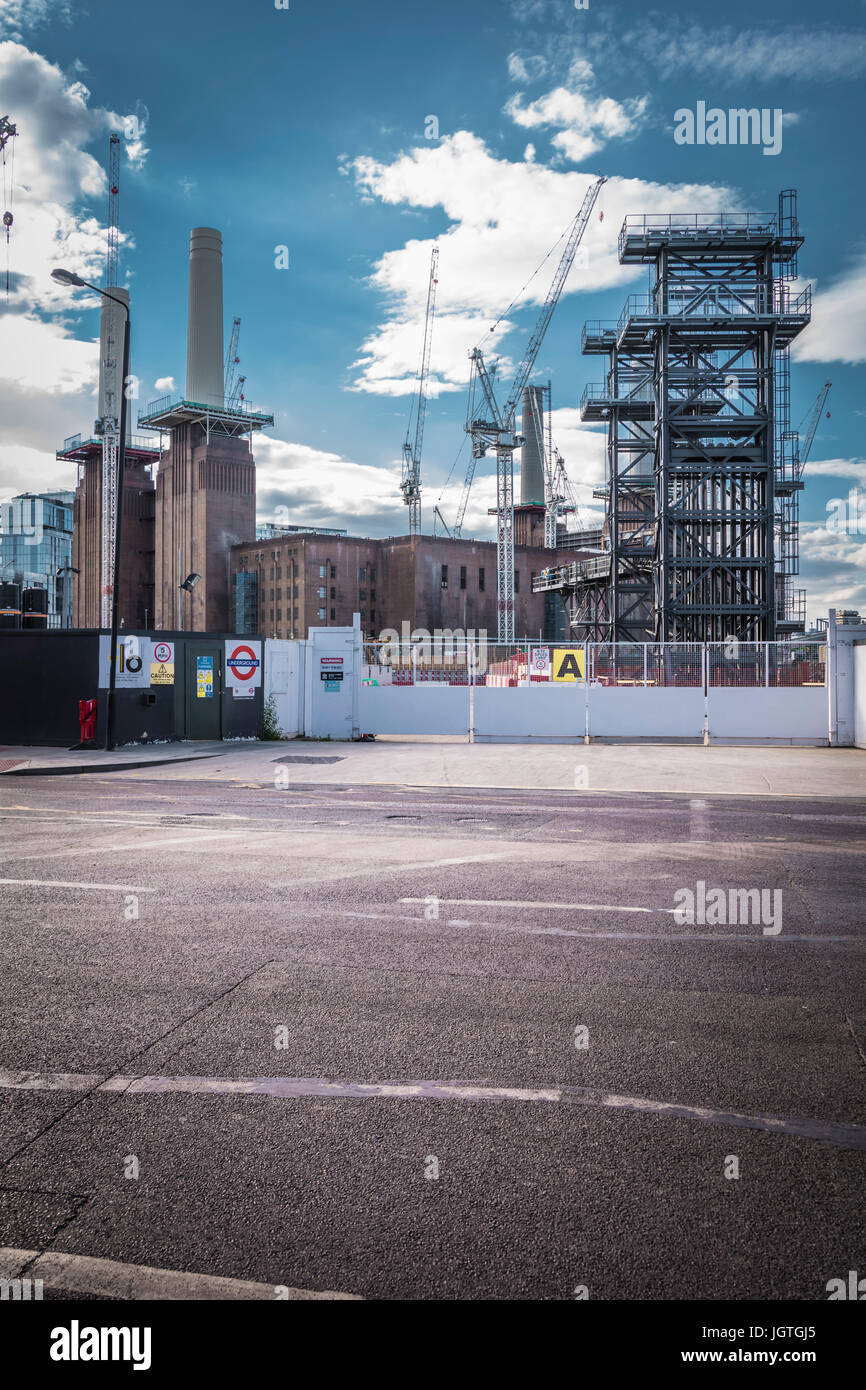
(703, 473)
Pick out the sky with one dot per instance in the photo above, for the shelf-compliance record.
(358, 136)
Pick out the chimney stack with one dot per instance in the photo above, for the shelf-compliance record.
(204, 354)
(531, 456)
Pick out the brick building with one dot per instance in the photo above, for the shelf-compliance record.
(283, 585)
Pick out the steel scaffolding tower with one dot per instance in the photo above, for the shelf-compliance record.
(703, 474)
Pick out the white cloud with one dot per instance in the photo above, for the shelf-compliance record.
(46, 371)
(837, 332)
(17, 16)
(164, 383)
(586, 120)
(832, 569)
(775, 53)
(838, 468)
(502, 219)
(526, 69)
(326, 489)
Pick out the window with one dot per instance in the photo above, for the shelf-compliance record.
(373, 574)
(333, 593)
(272, 595)
(323, 570)
(444, 580)
(333, 571)
(321, 592)
(294, 591)
(333, 614)
(295, 613)
(373, 595)
(321, 612)
(362, 573)
(517, 581)
(481, 579)
(279, 593)
(279, 615)
(463, 576)
(362, 593)
(372, 615)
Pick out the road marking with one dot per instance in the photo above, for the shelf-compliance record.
(519, 929)
(416, 866)
(843, 1136)
(60, 883)
(115, 1280)
(559, 907)
(140, 846)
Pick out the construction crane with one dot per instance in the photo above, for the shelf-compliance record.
(495, 427)
(231, 382)
(109, 423)
(410, 485)
(809, 424)
(8, 131)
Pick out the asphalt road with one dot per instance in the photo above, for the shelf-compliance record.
(543, 1077)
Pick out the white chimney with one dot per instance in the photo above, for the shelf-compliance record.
(204, 352)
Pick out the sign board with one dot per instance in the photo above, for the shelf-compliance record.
(539, 665)
(163, 653)
(240, 694)
(204, 677)
(162, 673)
(332, 686)
(243, 664)
(132, 670)
(568, 663)
(331, 660)
(331, 675)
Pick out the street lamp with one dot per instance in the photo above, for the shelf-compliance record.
(68, 277)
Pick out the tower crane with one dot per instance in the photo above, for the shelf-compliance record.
(410, 485)
(809, 423)
(493, 426)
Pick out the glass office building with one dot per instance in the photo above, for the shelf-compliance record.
(36, 548)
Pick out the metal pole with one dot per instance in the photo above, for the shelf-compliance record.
(118, 532)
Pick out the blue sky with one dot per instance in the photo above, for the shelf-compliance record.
(306, 128)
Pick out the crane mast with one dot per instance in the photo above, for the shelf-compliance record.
(231, 381)
(496, 428)
(110, 421)
(410, 485)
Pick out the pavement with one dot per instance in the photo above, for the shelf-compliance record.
(437, 762)
(356, 1031)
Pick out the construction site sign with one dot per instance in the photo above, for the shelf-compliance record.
(568, 663)
(162, 664)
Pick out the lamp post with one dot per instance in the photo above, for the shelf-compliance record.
(68, 277)
(66, 613)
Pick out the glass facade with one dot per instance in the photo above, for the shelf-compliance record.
(36, 548)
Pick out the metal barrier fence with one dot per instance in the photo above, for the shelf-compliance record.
(451, 660)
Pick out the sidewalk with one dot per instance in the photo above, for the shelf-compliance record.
(686, 770)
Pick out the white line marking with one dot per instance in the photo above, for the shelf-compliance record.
(61, 883)
(413, 867)
(843, 1136)
(191, 841)
(559, 907)
(115, 1280)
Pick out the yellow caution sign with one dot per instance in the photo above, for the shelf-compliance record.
(568, 664)
(162, 673)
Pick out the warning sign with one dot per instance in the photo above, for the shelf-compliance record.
(539, 665)
(204, 678)
(162, 673)
(568, 664)
(163, 653)
(244, 664)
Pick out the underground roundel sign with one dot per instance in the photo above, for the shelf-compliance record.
(243, 664)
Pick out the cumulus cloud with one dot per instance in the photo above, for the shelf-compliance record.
(317, 486)
(164, 383)
(57, 187)
(502, 219)
(832, 568)
(586, 121)
(837, 332)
